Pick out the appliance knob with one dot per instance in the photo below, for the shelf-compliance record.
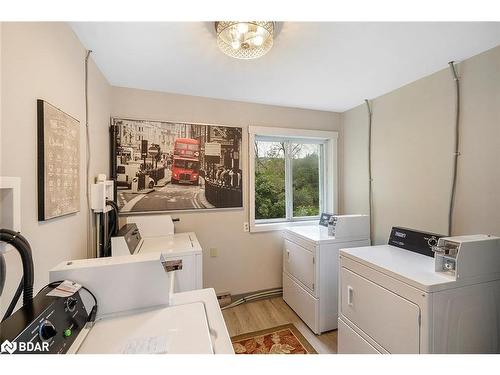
(71, 304)
(47, 330)
(432, 241)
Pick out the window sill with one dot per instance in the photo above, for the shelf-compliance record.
(268, 227)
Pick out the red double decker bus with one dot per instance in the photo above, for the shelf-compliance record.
(186, 163)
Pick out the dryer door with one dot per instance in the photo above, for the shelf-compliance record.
(299, 263)
(392, 321)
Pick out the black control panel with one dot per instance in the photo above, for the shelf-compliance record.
(47, 325)
(412, 240)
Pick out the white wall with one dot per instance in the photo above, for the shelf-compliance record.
(46, 60)
(247, 261)
(413, 131)
(1, 28)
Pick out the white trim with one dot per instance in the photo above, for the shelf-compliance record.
(288, 184)
(330, 183)
(12, 188)
(293, 133)
(10, 203)
(251, 179)
(267, 227)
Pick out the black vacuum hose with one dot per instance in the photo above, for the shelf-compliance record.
(14, 300)
(2, 273)
(22, 246)
(116, 210)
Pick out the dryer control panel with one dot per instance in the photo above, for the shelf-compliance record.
(413, 240)
(349, 226)
(468, 256)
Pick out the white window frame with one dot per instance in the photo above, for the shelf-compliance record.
(329, 165)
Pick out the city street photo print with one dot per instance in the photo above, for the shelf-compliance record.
(167, 166)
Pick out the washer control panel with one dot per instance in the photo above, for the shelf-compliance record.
(47, 325)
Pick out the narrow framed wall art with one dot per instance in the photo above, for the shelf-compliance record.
(58, 162)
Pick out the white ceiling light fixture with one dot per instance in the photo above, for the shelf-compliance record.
(245, 39)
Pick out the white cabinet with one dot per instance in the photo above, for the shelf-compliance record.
(310, 274)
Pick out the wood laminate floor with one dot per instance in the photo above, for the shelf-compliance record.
(272, 312)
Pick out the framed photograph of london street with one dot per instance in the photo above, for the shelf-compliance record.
(168, 166)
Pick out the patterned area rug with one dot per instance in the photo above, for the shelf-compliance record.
(285, 339)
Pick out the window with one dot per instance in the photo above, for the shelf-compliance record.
(287, 178)
(186, 164)
(306, 159)
(270, 190)
(291, 181)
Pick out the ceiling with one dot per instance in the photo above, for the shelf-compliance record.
(329, 66)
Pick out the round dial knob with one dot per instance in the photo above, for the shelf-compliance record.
(47, 330)
(71, 304)
(432, 241)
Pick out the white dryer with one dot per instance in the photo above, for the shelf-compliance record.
(398, 298)
(310, 267)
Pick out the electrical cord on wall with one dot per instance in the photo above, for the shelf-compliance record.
(370, 180)
(113, 227)
(88, 158)
(115, 210)
(255, 296)
(456, 152)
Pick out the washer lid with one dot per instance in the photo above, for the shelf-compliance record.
(180, 243)
(174, 330)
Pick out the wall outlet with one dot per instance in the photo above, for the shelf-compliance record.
(214, 252)
(246, 227)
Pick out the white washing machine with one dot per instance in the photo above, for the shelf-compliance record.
(398, 298)
(178, 246)
(137, 313)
